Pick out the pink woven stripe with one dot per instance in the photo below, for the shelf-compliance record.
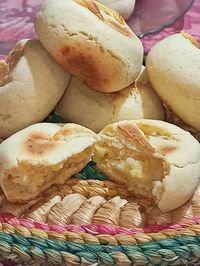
(93, 229)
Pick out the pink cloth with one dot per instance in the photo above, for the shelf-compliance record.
(189, 23)
(16, 22)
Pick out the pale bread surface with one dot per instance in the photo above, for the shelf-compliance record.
(173, 67)
(31, 85)
(90, 41)
(95, 110)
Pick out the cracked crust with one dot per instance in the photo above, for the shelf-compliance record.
(135, 135)
(5, 76)
(191, 38)
(92, 6)
(16, 54)
(81, 46)
(40, 156)
(107, 15)
(95, 110)
(153, 159)
(124, 8)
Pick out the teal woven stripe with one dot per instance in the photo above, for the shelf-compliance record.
(54, 117)
(176, 251)
(91, 172)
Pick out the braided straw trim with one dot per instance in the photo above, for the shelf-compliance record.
(116, 211)
(176, 251)
(108, 189)
(87, 188)
(96, 234)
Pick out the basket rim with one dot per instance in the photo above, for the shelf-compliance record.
(27, 227)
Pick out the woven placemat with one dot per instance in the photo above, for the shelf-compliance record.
(124, 230)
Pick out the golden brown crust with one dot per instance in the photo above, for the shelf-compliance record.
(191, 38)
(79, 62)
(136, 135)
(92, 6)
(14, 56)
(112, 18)
(168, 149)
(5, 76)
(64, 132)
(38, 143)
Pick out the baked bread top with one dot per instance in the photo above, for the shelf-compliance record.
(90, 41)
(40, 156)
(154, 159)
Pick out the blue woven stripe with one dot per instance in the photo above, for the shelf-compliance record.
(175, 251)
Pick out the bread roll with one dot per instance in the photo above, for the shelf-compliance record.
(173, 66)
(125, 7)
(171, 117)
(90, 41)
(40, 156)
(31, 85)
(154, 159)
(95, 110)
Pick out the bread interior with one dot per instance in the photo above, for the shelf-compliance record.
(27, 181)
(127, 163)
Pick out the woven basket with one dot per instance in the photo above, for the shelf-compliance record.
(110, 227)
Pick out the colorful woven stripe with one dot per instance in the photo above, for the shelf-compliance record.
(95, 234)
(176, 251)
(36, 243)
(91, 228)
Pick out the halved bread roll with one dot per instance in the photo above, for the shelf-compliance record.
(31, 84)
(95, 110)
(90, 41)
(40, 156)
(154, 159)
(173, 67)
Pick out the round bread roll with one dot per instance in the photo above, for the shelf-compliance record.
(90, 41)
(125, 7)
(31, 85)
(40, 156)
(95, 110)
(173, 66)
(154, 159)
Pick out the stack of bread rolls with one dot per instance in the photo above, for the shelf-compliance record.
(85, 51)
(87, 65)
(104, 56)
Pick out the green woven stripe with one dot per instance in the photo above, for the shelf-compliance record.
(91, 172)
(54, 117)
(176, 251)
